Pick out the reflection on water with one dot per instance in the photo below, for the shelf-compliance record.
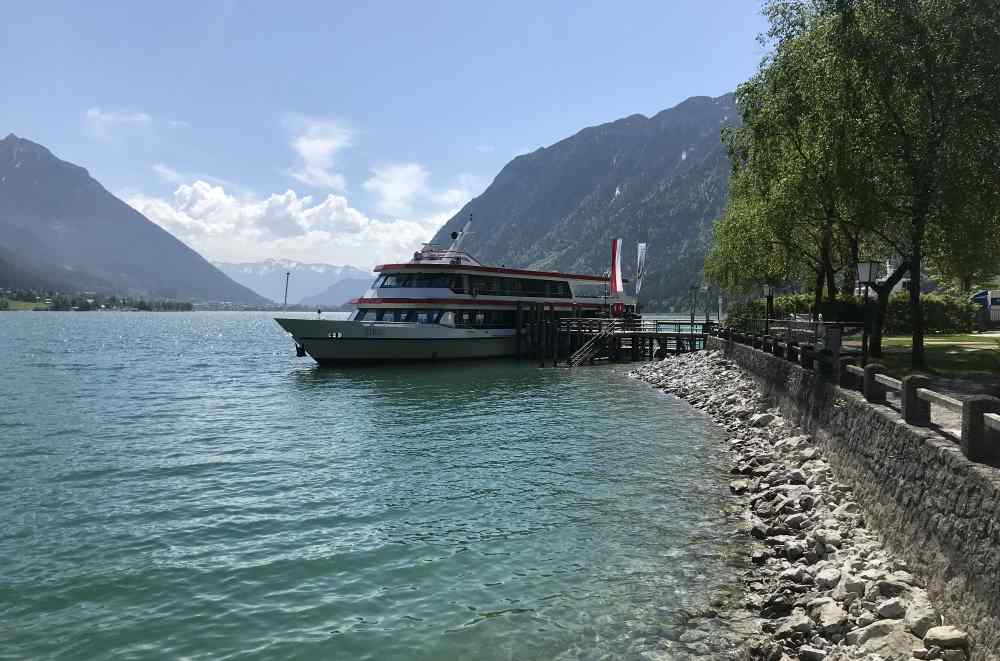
(186, 487)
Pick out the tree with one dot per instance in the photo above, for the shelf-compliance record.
(789, 158)
(928, 74)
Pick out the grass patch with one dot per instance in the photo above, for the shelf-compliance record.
(929, 340)
(23, 305)
(963, 356)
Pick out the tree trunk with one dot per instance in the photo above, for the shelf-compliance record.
(917, 358)
(827, 260)
(882, 292)
(881, 305)
(850, 276)
(817, 294)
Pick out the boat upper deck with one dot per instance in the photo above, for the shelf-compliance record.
(432, 267)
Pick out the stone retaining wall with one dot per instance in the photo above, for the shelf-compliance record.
(935, 508)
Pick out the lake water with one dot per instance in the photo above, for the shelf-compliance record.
(181, 485)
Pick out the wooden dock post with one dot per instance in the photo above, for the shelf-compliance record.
(518, 326)
(556, 337)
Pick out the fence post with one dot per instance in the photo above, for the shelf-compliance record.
(845, 377)
(915, 410)
(807, 356)
(873, 390)
(978, 441)
(833, 336)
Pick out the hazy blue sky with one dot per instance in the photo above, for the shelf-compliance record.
(342, 131)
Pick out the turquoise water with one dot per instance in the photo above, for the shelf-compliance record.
(181, 485)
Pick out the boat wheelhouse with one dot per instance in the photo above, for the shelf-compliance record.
(444, 304)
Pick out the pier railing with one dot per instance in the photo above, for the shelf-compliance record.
(633, 326)
(797, 330)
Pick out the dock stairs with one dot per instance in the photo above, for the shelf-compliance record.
(592, 347)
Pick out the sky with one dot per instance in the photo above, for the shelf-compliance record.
(342, 132)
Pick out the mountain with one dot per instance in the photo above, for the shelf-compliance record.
(661, 179)
(60, 229)
(340, 292)
(267, 278)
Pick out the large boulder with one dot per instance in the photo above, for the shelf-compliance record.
(887, 638)
(947, 638)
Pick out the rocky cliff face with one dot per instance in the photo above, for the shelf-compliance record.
(60, 229)
(662, 180)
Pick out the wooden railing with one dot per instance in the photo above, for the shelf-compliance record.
(619, 325)
(980, 435)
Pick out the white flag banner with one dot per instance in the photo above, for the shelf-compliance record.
(641, 268)
(616, 269)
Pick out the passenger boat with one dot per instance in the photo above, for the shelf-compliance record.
(443, 304)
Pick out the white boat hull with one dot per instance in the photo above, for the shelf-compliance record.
(339, 342)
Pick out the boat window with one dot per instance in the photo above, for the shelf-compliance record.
(480, 318)
(447, 319)
(360, 315)
(386, 315)
(378, 282)
(408, 315)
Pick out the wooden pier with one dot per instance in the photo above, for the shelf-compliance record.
(575, 341)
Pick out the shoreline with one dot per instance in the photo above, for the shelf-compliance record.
(821, 582)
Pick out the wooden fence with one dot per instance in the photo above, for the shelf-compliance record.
(980, 435)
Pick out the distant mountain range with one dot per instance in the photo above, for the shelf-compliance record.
(310, 284)
(340, 292)
(662, 180)
(61, 230)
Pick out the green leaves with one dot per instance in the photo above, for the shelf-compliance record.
(872, 128)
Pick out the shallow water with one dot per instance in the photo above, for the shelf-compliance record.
(180, 485)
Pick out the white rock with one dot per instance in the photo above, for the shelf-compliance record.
(946, 638)
(828, 578)
(891, 609)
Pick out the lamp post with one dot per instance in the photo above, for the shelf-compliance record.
(868, 272)
(694, 291)
(768, 308)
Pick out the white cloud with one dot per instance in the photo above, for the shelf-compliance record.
(403, 187)
(227, 227)
(397, 185)
(104, 123)
(168, 174)
(173, 176)
(317, 141)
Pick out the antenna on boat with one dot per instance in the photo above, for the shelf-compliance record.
(457, 237)
(287, 275)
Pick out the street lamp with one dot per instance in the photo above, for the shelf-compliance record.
(868, 274)
(768, 308)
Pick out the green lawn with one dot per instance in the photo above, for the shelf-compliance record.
(23, 305)
(955, 356)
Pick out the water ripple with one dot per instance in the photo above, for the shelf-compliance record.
(180, 485)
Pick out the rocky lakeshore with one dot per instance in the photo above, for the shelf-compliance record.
(821, 581)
